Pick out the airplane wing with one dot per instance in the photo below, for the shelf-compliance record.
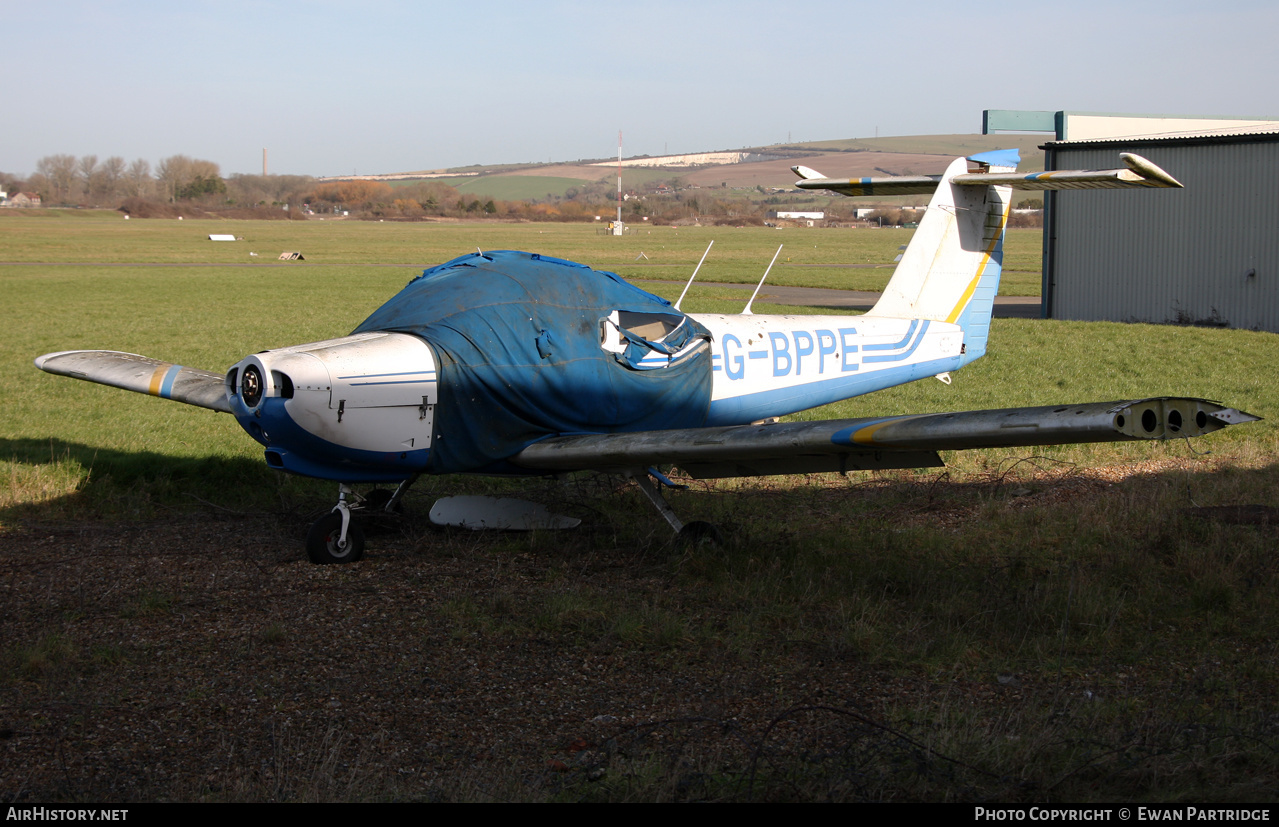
(910, 441)
(141, 374)
(1138, 174)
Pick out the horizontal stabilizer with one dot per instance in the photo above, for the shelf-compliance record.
(1138, 173)
(140, 374)
(875, 443)
(895, 185)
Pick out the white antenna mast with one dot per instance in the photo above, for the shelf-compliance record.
(690, 278)
(617, 225)
(747, 311)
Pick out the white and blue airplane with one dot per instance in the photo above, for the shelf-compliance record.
(518, 364)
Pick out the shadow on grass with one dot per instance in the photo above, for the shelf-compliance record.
(56, 480)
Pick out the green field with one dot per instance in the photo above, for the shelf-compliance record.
(516, 187)
(739, 256)
(1054, 624)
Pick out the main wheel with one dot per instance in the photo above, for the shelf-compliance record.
(322, 540)
(698, 534)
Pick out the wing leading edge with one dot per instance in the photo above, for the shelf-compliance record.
(141, 374)
(910, 441)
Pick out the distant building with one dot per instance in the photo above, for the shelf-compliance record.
(22, 199)
(1207, 254)
(813, 216)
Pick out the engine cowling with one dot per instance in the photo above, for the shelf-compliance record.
(364, 404)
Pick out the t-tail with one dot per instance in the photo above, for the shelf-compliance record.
(950, 270)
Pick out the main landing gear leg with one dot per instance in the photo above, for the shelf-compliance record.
(393, 504)
(383, 501)
(697, 533)
(335, 537)
(655, 497)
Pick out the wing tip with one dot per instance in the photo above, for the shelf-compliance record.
(1149, 171)
(45, 359)
(806, 173)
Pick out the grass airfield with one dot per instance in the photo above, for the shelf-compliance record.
(1032, 625)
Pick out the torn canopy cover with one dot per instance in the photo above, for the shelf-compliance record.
(520, 345)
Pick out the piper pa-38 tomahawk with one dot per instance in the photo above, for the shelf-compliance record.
(518, 364)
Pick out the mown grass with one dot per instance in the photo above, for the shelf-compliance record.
(59, 435)
(1039, 636)
(740, 254)
(519, 187)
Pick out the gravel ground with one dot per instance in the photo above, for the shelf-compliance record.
(202, 657)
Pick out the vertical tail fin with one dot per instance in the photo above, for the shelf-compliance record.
(950, 271)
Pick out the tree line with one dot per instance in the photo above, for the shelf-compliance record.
(66, 180)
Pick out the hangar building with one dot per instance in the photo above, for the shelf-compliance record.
(1207, 254)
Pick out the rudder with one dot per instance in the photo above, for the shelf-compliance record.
(950, 270)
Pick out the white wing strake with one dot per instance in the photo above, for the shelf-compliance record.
(141, 374)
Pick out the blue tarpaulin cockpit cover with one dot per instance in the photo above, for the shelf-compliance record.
(530, 346)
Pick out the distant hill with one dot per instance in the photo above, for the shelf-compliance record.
(852, 158)
(948, 145)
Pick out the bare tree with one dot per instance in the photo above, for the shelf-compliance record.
(59, 171)
(11, 183)
(90, 175)
(180, 172)
(172, 173)
(205, 169)
(138, 178)
(86, 166)
(112, 174)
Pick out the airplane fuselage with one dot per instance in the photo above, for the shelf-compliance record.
(767, 366)
(362, 407)
(509, 362)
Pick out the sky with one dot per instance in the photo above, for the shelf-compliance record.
(334, 88)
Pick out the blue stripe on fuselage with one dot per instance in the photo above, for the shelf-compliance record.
(914, 323)
(750, 407)
(396, 373)
(396, 382)
(897, 357)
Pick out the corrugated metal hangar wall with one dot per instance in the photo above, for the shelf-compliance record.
(1206, 254)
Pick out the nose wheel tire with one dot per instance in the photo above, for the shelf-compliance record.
(322, 541)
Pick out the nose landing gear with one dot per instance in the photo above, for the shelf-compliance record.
(337, 536)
